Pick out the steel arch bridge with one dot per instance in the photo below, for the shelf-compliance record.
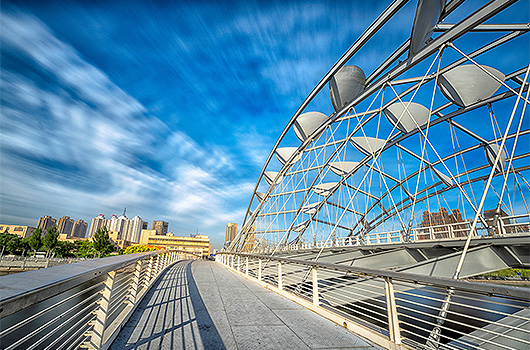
(433, 143)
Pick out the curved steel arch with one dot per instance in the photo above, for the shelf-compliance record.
(449, 33)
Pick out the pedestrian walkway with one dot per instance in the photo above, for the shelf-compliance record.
(203, 305)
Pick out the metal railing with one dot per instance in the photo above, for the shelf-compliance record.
(21, 263)
(506, 225)
(398, 309)
(81, 305)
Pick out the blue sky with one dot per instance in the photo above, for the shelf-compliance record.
(166, 108)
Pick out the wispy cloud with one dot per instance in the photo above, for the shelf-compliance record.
(112, 106)
(74, 143)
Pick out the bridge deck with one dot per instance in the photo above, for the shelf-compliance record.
(202, 305)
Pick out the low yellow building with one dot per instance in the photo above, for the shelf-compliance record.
(19, 230)
(68, 238)
(196, 246)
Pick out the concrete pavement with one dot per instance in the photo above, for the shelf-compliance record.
(203, 305)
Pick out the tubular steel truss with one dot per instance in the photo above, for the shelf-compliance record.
(437, 134)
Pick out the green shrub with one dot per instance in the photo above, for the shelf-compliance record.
(139, 248)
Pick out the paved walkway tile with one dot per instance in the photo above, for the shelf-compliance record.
(203, 305)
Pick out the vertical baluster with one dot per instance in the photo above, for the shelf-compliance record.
(96, 339)
(280, 282)
(135, 287)
(393, 321)
(315, 286)
(246, 266)
(149, 272)
(157, 266)
(259, 269)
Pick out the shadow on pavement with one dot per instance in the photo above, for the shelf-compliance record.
(211, 339)
(171, 314)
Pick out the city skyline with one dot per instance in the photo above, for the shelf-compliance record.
(112, 105)
(135, 224)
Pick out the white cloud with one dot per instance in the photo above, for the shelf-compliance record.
(254, 146)
(32, 38)
(95, 132)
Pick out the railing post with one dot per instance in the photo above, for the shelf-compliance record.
(238, 263)
(393, 321)
(259, 269)
(96, 340)
(246, 266)
(315, 285)
(280, 282)
(135, 288)
(502, 229)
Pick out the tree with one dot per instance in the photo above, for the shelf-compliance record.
(5, 237)
(102, 243)
(35, 240)
(9, 243)
(65, 249)
(84, 249)
(50, 240)
(14, 245)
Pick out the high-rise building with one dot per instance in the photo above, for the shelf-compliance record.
(439, 222)
(121, 227)
(134, 229)
(160, 227)
(441, 218)
(46, 222)
(97, 223)
(250, 240)
(79, 229)
(231, 232)
(65, 225)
